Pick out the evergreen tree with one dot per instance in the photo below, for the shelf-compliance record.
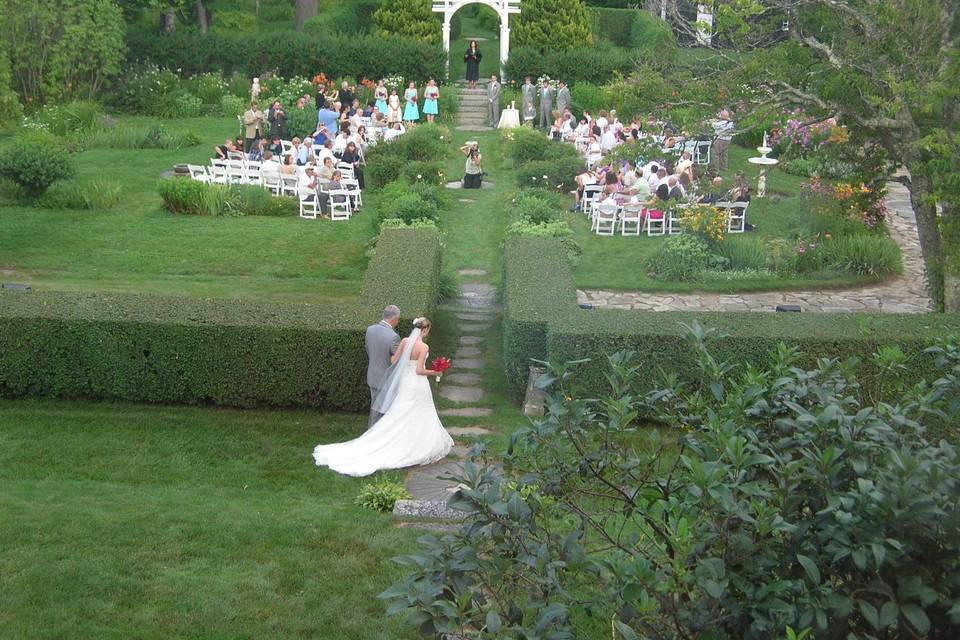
(410, 18)
(552, 24)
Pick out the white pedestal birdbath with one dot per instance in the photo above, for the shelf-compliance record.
(764, 163)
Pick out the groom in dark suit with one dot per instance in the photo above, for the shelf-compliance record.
(382, 342)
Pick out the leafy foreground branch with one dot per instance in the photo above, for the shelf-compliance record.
(761, 503)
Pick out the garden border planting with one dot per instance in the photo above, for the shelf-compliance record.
(542, 321)
(203, 351)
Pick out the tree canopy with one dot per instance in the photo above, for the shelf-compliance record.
(552, 24)
(411, 18)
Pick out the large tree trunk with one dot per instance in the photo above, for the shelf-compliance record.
(202, 16)
(168, 21)
(950, 212)
(928, 225)
(303, 11)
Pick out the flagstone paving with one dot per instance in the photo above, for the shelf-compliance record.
(906, 293)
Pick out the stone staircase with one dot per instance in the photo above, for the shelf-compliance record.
(473, 112)
(476, 309)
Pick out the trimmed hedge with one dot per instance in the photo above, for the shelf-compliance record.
(615, 25)
(221, 352)
(541, 321)
(590, 64)
(296, 54)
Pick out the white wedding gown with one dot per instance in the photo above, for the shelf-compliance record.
(408, 434)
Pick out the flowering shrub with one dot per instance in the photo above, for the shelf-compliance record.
(855, 201)
(394, 82)
(708, 222)
(141, 89)
(683, 258)
(286, 91)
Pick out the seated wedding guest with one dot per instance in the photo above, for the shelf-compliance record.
(669, 189)
(256, 150)
(289, 166)
(608, 140)
(566, 127)
(582, 180)
(340, 142)
(239, 144)
(685, 184)
(307, 185)
(615, 123)
(473, 170)
(741, 188)
(629, 176)
(369, 109)
(351, 156)
(320, 136)
(295, 148)
(325, 173)
(715, 193)
(344, 119)
(684, 166)
(602, 120)
(270, 169)
(641, 189)
(220, 151)
(677, 189)
(360, 137)
(582, 129)
(653, 180)
(326, 151)
(587, 117)
(305, 152)
(276, 147)
(554, 133)
(396, 130)
(647, 169)
(378, 119)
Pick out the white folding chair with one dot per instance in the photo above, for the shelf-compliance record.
(353, 186)
(198, 173)
(590, 193)
(736, 216)
(287, 145)
(309, 204)
(606, 218)
(632, 215)
(272, 182)
(235, 155)
(346, 170)
(673, 214)
(252, 176)
(340, 208)
(236, 174)
(702, 154)
(218, 175)
(655, 221)
(289, 185)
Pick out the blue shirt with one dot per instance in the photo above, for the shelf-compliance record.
(303, 155)
(330, 119)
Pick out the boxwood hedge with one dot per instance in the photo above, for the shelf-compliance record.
(542, 321)
(202, 351)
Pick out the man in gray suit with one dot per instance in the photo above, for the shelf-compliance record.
(546, 105)
(493, 95)
(382, 342)
(528, 93)
(563, 98)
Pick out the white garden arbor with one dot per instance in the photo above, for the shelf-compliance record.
(503, 8)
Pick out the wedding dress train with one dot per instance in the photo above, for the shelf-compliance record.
(408, 434)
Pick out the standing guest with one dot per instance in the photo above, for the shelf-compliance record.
(594, 151)
(327, 117)
(546, 104)
(563, 98)
(528, 94)
(352, 157)
(472, 59)
(529, 113)
(411, 113)
(473, 171)
(344, 119)
(430, 96)
(608, 139)
(380, 94)
(723, 132)
(253, 125)
(493, 97)
(394, 115)
(346, 93)
(277, 118)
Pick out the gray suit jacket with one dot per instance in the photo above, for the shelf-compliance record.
(529, 93)
(382, 342)
(546, 99)
(493, 92)
(563, 99)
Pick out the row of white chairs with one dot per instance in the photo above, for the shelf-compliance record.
(343, 203)
(636, 219)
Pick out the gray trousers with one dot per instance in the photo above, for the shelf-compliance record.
(546, 116)
(374, 415)
(495, 112)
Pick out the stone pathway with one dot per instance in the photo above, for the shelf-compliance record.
(473, 113)
(903, 294)
(476, 309)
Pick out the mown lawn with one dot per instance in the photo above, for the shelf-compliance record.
(619, 262)
(126, 521)
(139, 247)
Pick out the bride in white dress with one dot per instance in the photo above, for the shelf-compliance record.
(409, 433)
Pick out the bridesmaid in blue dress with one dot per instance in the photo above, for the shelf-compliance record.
(411, 113)
(380, 93)
(430, 95)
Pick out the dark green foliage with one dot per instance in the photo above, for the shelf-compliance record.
(351, 17)
(744, 252)
(528, 145)
(409, 19)
(196, 198)
(589, 64)
(382, 168)
(749, 503)
(614, 25)
(429, 171)
(542, 321)
(34, 162)
(381, 495)
(651, 37)
(137, 136)
(86, 195)
(233, 22)
(536, 206)
(301, 122)
(682, 258)
(70, 119)
(204, 351)
(552, 25)
(560, 174)
(300, 54)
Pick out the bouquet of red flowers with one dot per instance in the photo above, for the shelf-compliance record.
(440, 365)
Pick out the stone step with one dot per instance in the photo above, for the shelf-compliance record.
(477, 121)
(468, 352)
(474, 328)
(469, 340)
(476, 128)
(426, 510)
(467, 363)
(475, 317)
(467, 431)
(472, 272)
(468, 379)
(467, 412)
(460, 394)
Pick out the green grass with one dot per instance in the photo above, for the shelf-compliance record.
(122, 521)
(618, 262)
(139, 247)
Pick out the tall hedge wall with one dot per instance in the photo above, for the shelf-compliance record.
(536, 274)
(615, 25)
(301, 54)
(592, 64)
(222, 352)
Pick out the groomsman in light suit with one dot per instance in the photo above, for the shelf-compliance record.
(381, 342)
(493, 95)
(546, 105)
(529, 94)
(563, 98)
